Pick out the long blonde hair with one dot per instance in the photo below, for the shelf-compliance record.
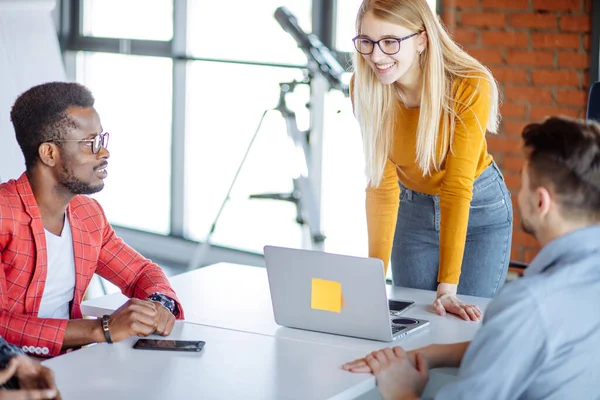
(442, 62)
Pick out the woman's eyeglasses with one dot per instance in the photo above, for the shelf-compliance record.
(387, 45)
(96, 143)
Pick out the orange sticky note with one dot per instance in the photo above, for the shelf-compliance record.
(326, 295)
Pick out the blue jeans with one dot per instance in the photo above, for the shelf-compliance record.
(416, 253)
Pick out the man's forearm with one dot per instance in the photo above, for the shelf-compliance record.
(81, 332)
(444, 355)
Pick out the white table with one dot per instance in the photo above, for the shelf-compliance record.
(237, 297)
(233, 365)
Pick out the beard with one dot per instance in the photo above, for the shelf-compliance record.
(75, 185)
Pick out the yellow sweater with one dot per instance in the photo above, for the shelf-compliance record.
(454, 182)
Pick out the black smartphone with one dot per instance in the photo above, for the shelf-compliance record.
(397, 307)
(169, 345)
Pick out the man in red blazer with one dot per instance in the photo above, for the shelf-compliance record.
(53, 238)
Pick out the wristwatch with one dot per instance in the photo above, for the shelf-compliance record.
(105, 328)
(166, 301)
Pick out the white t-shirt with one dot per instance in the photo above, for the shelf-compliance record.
(60, 277)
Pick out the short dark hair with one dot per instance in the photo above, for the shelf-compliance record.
(39, 115)
(565, 154)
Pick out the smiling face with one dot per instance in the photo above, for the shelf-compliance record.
(79, 170)
(402, 67)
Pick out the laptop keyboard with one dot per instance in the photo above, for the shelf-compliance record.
(397, 328)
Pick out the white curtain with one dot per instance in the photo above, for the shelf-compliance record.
(29, 55)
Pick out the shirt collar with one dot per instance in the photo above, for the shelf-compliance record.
(580, 241)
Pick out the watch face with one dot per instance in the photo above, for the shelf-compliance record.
(164, 300)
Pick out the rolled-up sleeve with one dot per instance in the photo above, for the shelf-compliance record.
(502, 360)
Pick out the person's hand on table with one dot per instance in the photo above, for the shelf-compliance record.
(36, 382)
(360, 365)
(447, 302)
(400, 375)
(164, 320)
(135, 317)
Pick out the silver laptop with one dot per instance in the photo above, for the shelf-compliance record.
(364, 312)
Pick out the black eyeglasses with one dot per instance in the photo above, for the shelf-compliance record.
(388, 45)
(96, 143)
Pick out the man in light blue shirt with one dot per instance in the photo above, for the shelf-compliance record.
(540, 337)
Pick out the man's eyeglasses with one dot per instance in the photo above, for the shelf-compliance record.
(96, 143)
(388, 45)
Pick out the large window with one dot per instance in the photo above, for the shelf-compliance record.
(133, 98)
(225, 104)
(343, 183)
(245, 30)
(129, 19)
(182, 100)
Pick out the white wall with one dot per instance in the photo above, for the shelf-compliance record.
(29, 55)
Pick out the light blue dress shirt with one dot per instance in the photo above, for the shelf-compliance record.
(540, 337)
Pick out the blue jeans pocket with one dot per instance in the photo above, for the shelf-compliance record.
(491, 203)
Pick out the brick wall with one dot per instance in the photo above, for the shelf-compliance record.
(538, 50)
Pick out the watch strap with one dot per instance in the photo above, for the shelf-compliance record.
(166, 301)
(105, 328)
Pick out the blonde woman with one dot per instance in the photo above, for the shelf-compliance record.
(436, 201)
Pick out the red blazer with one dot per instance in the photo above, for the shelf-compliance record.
(23, 263)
